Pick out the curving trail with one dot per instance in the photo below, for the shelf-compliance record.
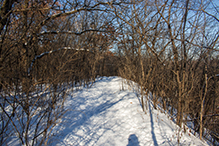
(105, 115)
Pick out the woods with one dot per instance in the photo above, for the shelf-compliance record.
(168, 47)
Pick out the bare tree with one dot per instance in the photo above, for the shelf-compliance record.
(175, 36)
(44, 46)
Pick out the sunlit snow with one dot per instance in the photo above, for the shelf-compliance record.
(105, 115)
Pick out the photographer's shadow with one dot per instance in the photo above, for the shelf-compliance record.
(133, 140)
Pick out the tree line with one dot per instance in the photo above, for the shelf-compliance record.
(169, 47)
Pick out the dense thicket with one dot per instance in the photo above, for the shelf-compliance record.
(169, 47)
(46, 48)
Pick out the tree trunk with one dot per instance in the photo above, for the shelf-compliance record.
(202, 103)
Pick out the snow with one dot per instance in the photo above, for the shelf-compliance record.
(107, 115)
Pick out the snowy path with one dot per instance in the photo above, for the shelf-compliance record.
(103, 115)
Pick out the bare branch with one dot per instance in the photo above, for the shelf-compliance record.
(72, 32)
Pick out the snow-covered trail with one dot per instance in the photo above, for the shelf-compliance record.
(105, 115)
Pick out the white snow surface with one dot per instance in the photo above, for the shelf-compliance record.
(106, 115)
